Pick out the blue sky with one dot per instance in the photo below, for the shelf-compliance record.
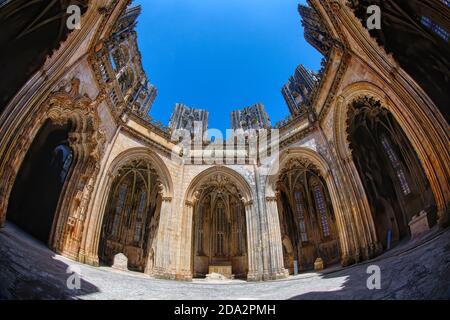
(222, 55)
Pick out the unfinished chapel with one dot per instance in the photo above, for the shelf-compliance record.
(360, 164)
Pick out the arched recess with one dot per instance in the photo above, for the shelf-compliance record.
(430, 147)
(389, 168)
(340, 242)
(161, 189)
(75, 116)
(219, 226)
(131, 217)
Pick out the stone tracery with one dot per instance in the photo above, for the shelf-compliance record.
(219, 227)
(308, 226)
(132, 215)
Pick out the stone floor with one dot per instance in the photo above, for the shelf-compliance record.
(418, 269)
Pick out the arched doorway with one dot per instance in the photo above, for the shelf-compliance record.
(219, 239)
(392, 176)
(131, 216)
(307, 220)
(37, 188)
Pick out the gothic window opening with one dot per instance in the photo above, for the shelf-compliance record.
(200, 224)
(240, 225)
(322, 210)
(119, 208)
(220, 230)
(396, 165)
(131, 215)
(301, 215)
(140, 217)
(436, 28)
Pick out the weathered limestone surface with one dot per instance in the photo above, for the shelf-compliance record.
(120, 262)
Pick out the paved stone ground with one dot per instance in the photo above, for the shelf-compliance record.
(418, 269)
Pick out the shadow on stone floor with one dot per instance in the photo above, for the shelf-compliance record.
(46, 279)
(419, 270)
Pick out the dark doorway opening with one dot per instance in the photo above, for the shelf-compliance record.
(390, 170)
(38, 185)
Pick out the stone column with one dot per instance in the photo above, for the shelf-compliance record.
(184, 270)
(164, 266)
(255, 263)
(277, 270)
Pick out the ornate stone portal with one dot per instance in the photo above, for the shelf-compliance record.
(132, 215)
(391, 173)
(220, 242)
(308, 224)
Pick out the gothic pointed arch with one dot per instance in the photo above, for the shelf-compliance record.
(71, 116)
(390, 170)
(226, 172)
(131, 217)
(420, 132)
(132, 163)
(307, 218)
(310, 209)
(219, 202)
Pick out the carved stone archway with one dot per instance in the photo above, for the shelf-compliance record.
(219, 237)
(94, 221)
(348, 243)
(227, 179)
(429, 142)
(307, 216)
(389, 168)
(86, 138)
(131, 218)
